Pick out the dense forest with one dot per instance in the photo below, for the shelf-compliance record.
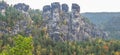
(24, 41)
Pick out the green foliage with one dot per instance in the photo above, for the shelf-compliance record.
(13, 14)
(10, 15)
(21, 46)
(45, 46)
(36, 16)
(2, 17)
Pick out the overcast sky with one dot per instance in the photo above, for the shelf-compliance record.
(86, 5)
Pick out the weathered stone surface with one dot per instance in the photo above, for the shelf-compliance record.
(3, 29)
(22, 6)
(55, 6)
(46, 8)
(3, 5)
(75, 7)
(65, 8)
(46, 12)
(75, 10)
(55, 28)
(47, 18)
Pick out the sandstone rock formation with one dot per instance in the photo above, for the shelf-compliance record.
(21, 6)
(59, 22)
(3, 6)
(64, 25)
(20, 25)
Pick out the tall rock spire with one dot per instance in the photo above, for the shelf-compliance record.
(55, 28)
(46, 12)
(47, 17)
(75, 22)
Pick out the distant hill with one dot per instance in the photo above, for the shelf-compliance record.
(108, 21)
(99, 18)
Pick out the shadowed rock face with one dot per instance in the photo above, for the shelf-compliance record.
(75, 7)
(55, 5)
(75, 10)
(46, 8)
(65, 8)
(3, 5)
(76, 23)
(55, 14)
(47, 12)
(22, 6)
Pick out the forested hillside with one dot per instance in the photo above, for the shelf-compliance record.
(108, 21)
(99, 18)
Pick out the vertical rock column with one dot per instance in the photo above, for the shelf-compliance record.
(55, 24)
(64, 17)
(46, 13)
(75, 22)
(3, 6)
(47, 18)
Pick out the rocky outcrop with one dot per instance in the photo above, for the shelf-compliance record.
(21, 6)
(58, 23)
(75, 22)
(22, 25)
(64, 25)
(3, 6)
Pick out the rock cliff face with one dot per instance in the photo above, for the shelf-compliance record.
(64, 25)
(60, 24)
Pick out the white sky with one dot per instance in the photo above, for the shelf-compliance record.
(86, 5)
